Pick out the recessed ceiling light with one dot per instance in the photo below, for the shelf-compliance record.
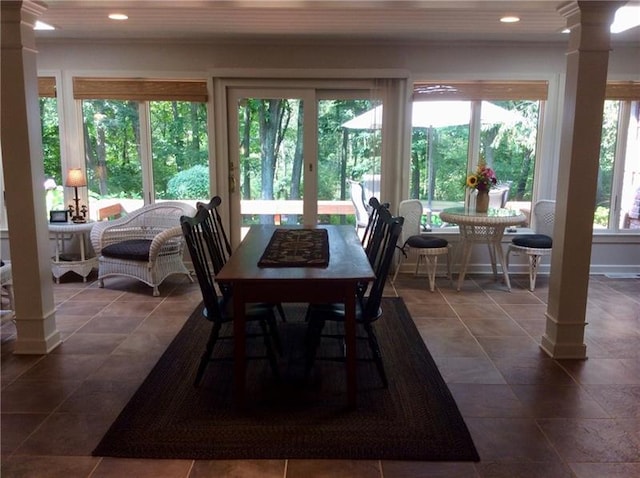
(118, 16)
(42, 26)
(510, 19)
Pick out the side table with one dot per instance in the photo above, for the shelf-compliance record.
(63, 262)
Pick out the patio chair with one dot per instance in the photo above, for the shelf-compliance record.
(368, 308)
(537, 245)
(201, 243)
(146, 244)
(428, 247)
(360, 205)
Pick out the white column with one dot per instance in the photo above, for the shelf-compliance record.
(24, 179)
(586, 76)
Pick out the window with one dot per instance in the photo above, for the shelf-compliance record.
(145, 140)
(618, 189)
(456, 123)
(50, 128)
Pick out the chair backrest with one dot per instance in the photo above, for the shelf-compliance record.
(499, 195)
(392, 229)
(201, 245)
(359, 203)
(374, 204)
(222, 249)
(114, 211)
(411, 211)
(544, 212)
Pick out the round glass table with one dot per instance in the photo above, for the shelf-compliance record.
(483, 227)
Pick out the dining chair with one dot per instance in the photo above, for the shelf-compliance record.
(539, 244)
(201, 242)
(221, 246)
(428, 247)
(368, 308)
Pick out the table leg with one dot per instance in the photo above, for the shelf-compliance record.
(466, 255)
(499, 252)
(239, 335)
(350, 342)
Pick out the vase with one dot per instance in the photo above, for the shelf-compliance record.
(482, 201)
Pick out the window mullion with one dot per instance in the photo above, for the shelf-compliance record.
(146, 156)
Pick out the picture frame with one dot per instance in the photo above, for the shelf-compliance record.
(59, 216)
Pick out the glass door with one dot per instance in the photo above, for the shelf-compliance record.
(294, 154)
(272, 148)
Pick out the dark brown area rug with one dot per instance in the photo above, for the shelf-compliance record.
(416, 418)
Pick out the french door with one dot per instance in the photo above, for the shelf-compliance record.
(292, 153)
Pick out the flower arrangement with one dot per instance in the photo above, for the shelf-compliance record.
(483, 179)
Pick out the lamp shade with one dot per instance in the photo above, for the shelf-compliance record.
(75, 178)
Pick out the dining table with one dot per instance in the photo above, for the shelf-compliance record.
(483, 227)
(335, 282)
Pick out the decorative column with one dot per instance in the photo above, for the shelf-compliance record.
(24, 181)
(586, 77)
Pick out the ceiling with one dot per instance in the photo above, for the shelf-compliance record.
(340, 20)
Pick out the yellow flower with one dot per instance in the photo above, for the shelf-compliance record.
(472, 181)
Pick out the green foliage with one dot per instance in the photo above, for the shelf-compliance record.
(192, 183)
(50, 139)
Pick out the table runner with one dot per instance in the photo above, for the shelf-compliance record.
(297, 248)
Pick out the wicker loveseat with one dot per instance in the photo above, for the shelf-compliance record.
(147, 244)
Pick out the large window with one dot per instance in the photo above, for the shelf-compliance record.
(454, 124)
(144, 141)
(618, 193)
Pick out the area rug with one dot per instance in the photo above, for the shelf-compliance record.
(415, 418)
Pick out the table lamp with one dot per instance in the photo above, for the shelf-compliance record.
(76, 179)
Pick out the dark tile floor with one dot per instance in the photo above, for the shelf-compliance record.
(530, 416)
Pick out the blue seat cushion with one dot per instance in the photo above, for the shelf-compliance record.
(132, 249)
(424, 241)
(537, 241)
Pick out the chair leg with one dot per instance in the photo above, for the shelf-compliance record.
(267, 344)
(281, 312)
(432, 266)
(534, 261)
(397, 268)
(312, 342)
(273, 332)
(377, 355)
(206, 356)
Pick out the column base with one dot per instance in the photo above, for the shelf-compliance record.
(577, 351)
(36, 336)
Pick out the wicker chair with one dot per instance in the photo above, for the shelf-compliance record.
(537, 245)
(428, 247)
(147, 244)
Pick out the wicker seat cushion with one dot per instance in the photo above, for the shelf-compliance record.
(426, 242)
(536, 241)
(132, 249)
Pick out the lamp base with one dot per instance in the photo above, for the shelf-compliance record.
(78, 219)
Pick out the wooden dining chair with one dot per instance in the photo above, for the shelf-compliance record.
(221, 246)
(368, 308)
(201, 243)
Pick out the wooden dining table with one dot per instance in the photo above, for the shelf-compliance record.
(336, 283)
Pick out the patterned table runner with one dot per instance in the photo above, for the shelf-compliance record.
(297, 248)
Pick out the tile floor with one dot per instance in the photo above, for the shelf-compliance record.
(530, 416)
